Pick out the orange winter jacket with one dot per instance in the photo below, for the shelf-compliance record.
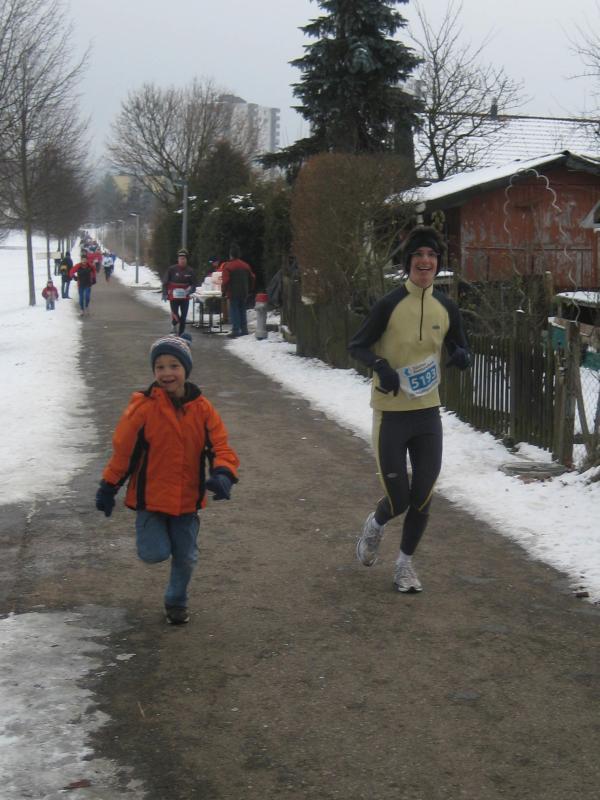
(165, 452)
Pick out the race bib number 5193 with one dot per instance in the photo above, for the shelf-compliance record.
(419, 379)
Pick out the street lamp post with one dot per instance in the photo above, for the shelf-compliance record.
(137, 244)
(184, 210)
(184, 222)
(122, 221)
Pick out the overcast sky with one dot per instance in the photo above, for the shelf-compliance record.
(245, 47)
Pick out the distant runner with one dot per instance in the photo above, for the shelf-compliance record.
(85, 274)
(178, 284)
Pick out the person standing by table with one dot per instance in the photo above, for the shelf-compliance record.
(216, 271)
(178, 284)
(236, 284)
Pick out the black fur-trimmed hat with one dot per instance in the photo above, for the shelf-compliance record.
(423, 236)
(172, 346)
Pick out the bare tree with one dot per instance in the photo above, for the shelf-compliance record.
(36, 111)
(162, 136)
(586, 44)
(13, 15)
(464, 98)
(61, 197)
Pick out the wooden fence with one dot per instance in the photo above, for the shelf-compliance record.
(320, 330)
(521, 389)
(509, 390)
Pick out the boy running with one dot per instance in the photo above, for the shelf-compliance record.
(171, 445)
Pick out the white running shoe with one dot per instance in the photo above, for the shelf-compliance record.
(406, 579)
(369, 541)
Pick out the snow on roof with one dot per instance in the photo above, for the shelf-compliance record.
(583, 298)
(520, 138)
(479, 177)
(529, 137)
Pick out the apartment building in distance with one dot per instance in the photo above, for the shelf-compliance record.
(255, 128)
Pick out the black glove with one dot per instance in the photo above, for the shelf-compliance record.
(105, 498)
(220, 484)
(389, 380)
(460, 358)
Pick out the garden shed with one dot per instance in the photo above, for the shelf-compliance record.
(524, 218)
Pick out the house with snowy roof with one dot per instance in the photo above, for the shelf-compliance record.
(523, 217)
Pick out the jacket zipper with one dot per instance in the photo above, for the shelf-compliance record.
(421, 322)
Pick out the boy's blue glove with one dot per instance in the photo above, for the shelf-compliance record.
(460, 358)
(220, 484)
(105, 498)
(389, 380)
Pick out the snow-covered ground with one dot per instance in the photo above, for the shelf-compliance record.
(46, 655)
(44, 395)
(555, 521)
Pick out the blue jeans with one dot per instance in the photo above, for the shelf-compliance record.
(237, 315)
(161, 536)
(84, 297)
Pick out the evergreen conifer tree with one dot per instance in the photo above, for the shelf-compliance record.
(349, 88)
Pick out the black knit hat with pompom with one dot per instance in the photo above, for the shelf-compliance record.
(423, 236)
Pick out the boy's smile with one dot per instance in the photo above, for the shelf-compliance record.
(169, 373)
(423, 267)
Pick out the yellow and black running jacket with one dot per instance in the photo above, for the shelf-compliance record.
(406, 327)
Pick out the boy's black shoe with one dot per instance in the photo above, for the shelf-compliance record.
(177, 615)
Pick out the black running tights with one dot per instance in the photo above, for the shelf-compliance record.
(418, 435)
(179, 310)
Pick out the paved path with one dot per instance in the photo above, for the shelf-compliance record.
(302, 674)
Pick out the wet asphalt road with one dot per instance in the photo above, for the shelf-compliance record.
(302, 674)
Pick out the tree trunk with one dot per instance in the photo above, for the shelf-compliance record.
(30, 270)
(48, 256)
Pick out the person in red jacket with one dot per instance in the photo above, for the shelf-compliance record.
(85, 274)
(50, 295)
(94, 256)
(167, 440)
(178, 284)
(236, 284)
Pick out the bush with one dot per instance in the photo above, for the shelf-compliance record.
(345, 221)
